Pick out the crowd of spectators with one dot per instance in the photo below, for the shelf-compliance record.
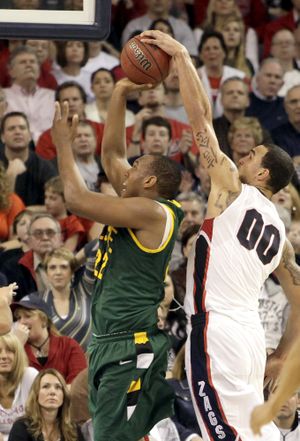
(247, 54)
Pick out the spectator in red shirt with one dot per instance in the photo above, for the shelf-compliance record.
(75, 95)
(152, 103)
(44, 347)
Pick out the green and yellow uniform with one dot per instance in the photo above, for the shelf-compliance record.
(128, 354)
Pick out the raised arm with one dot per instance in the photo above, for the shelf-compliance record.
(288, 274)
(6, 294)
(220, 168)
(132, 212)
(113, 148)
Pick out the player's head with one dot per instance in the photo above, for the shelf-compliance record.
(266, 166)
(152, 176)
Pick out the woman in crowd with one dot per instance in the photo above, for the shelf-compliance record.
(70, 59)
(44, 347)
(233, 31)
(288, 197)
(69, 303)
(244, 134)
(16, 379)
(47, 412)
(10, 205)
(102, 83)
(213, 72)
(217, 12)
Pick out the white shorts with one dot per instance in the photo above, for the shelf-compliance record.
(225, 362)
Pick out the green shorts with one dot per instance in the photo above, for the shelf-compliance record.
(127, 387)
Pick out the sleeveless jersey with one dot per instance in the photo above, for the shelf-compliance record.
(233, 255)
(130, 278)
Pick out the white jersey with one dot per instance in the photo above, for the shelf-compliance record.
(233, 255)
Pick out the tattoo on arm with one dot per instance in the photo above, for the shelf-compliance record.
(202, 138)
(208, 152)
(231, 196)
(289, 263)
(232, 168)
(225, 198)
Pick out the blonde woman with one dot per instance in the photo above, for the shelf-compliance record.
(47, 412)
(16, 379)
(217, 12)
(233, 31)
(244, 134)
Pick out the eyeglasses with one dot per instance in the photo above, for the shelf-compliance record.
(39, 234)
(283, 43)
(293, 102)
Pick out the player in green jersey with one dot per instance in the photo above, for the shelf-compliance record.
(128, 354)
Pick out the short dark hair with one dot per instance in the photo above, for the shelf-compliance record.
(156, 121)
(19, 217)
(165, 22)
(12, 115)
(212, 34)
(68, 85)
(87, 123)
(280, 165)
(168, 174)
(103, 69)
(61, 53)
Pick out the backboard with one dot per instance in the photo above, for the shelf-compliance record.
(90, 22)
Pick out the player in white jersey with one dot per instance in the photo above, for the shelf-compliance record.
(241, 241)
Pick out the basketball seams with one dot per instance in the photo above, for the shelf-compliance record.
(150, 54)
(129, 57)
(144, 63)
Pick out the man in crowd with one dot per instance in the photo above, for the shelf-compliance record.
(27, 271)
(75, 95)
(287, 420)
(25, 95)
(182, 148)
(235, 101)
(288, 135)
(26, 170)
(265, 104)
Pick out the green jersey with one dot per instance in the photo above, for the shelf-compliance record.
(130, 278)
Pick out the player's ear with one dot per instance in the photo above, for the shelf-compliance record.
(263, 174)
(150, 181)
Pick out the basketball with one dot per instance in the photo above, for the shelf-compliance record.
(144, 63)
